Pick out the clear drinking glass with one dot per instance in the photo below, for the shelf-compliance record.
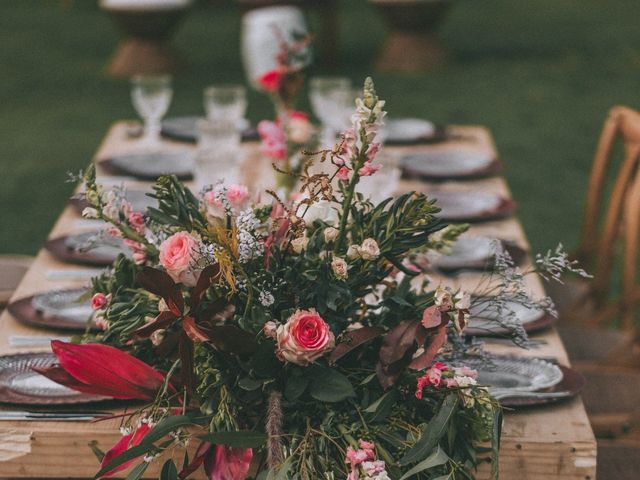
(151, 97)
(218, 153)
(226, 102)
(330, 97)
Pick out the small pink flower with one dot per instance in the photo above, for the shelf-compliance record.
(113, 232)
(127, 208)
(237, 195)
(273, 140)
(270, 329)
(99, 301)
(369, 169)
(101, 322)
(343, 174)
(177, 253)
(139, 258)
(304, 338)
(373, 150)
(136, 220)
(270, 81)
(366, 445)
(433, 376)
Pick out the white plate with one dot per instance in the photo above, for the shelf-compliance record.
(154, 164)
(488, 316)
(446, 163)
(464, 205)
(100, 245)
(517, 373)
(408, 130)
(467, 251)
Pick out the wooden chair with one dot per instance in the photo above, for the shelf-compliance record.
(12, 269)
(584, 305)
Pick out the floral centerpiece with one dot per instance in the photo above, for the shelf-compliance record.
(284, 345)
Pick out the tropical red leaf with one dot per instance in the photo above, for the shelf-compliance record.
(163, 320)
(59, 375)
(207, 277)
(127, 441)
(353, 339)
(109, 369)
(197, 460)
(192, 330)
(228, 463)
(161, 284)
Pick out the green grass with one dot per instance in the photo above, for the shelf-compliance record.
(541, 74)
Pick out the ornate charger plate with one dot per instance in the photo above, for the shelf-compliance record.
(19, 384)
(572, 382)
(443, 164)
(484, 318)
(149, 166)
(472, 206)
(411, 131)
(82, 250)
(138, 199)
(57, 310)
(184, 129)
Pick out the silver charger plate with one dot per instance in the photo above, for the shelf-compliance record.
(446, 163)
(154, 164)
(186, 128)
(403, 130)
(64, 304)
(19, 384)
(467, 251)
(139, 199)
(97, 244)
(517, 373)
(464, 205)
(488, 317)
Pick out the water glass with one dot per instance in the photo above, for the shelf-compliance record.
(331, 98)
(226, 102)
(151, 97)
(218, 152)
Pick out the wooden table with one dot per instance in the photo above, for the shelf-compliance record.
(553, 442)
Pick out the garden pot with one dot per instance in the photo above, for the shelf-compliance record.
(411, 44)
(147, 27)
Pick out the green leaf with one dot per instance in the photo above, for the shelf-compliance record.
(169, 471)
(93, 445)
(249, 384)
(239, 439)
(436, 459)
(137, 472)
(434, 431)
(129, 454)
(329, 385)
(295, 387)
(495, 441)
(382, 406)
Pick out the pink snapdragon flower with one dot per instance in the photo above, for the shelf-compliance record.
(364, 458)
(136, 220)
(274, 142)
(369, 169)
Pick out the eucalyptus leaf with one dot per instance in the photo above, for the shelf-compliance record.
(437, 458)
(329, 385)
(169, 471)
(138, 471)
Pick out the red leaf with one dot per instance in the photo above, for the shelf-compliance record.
(228, 463)
(110, 369)
(59, 375)
(197, 460)
(436, 341)
(353, 339)
(126, 442)
(192, 330)
(161, 284)
(432, 317)
(207, 277)
(163, 320)
(399, 340)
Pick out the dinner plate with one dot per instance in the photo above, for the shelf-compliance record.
(184, 129)
(571, 385)
(472, 206)
(408, 131)
(487, 319)
(150, 165)
(442, 164)
(518, 373)
(138, 199)
(472, 252)
(19, 384)
(57, 309)
(89, 248)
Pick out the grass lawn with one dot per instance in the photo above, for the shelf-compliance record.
(541, 74)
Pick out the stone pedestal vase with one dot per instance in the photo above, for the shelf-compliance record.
(147, 26)
(411, 44)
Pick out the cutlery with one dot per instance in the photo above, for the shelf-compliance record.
(52, 416)
(70, 274)
(501, 395)
(33, 341)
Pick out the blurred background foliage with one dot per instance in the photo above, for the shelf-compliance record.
(541, 74)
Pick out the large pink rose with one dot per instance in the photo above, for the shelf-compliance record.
(177, 255)
(304, 338)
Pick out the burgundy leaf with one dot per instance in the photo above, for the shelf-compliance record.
(194, 333)
(161, 284)
(399, 340)
(353, 339)
(207, 277)
(432, 317)
(219, 311)
(197, 460)
(435, 343)
(163, 320)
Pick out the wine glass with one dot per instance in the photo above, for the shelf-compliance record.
(151, 97)
(226, 102)
(330, 97)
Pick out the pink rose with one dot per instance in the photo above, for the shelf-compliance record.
(99, 301)
(304, 338)
(177, 254)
